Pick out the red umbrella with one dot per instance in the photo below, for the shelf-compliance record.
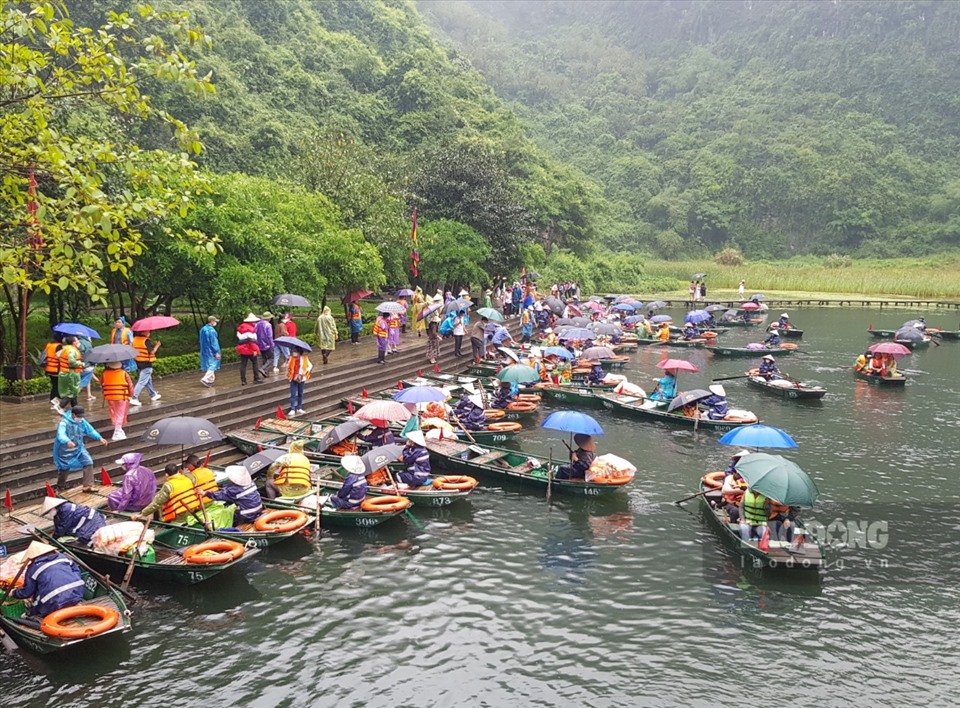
(356, 295)
(677, 365)
(382, 413)
(750, 306)
(897, 350)
(150, 324)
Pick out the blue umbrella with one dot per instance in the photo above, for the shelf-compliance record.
(696, 316)
(656, 305)
(757, 435)
(75, 328)
(757, 296)
(577, 333)
(657, 319)
(293, 342)
(625, 306)
(558, 351)
(572, 422)
(633, 319)
(420, 394)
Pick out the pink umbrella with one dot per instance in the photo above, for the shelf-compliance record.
(575, 310)
(593, 305)
(382, 413)
(151, 324)
(750, 306)
(677, 365)
(897, 350)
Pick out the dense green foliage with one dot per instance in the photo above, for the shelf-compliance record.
(778, 127)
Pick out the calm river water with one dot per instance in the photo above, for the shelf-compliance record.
(630, 600)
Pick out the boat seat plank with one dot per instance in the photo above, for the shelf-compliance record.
(490, 457)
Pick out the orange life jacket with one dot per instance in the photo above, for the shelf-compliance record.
(378, 329)
(734, 497)
(185, 496)
(120, 336)
(52, 351)
(776, 509)
(65, 360)
(114, 384)
(143, 356)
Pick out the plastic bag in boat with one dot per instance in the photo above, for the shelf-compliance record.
(610, 469)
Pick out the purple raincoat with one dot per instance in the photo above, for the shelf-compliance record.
(139, 485)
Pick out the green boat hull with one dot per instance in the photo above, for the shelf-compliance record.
(889, 381)
(340, 518)
(744, 352)
(632, 406)
(579, 397)
(799, 391)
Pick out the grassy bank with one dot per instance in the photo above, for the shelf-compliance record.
(932, 278)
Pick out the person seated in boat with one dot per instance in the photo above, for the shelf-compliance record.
(551, 337)
(890, 364)
(663, 333)
(921, 324)
(863, 361)
(502, 397)
(377, 436)
(732, 492)
(416, 458)
(781, 520)
(354, 489)
(768, 368)
(138, 488)
(876, 366)
(242, 492)
(647, 329)
(783, 324)
(690, 410)
(563, 372)
(754, 510)
(179, 497)
(745, 316)
(734, 459)
(597, 375)
(476, 419)
(710, 322)
(690, 331)
(666, 388)
(435, 409)
(773, 339)
(289, 476)
(51, 581)
(72, 519)
(464, 406)
(580, 459)
(717, 408)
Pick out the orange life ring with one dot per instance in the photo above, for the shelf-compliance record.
(528, 397)
(522, 406)
(455, 483)
(384, 504)
(493, 413)
(741, 418)
(51, 623)
(509, 426)
(788, 345)
(753, 372)
(714, 480)
(223, 552)
(708, 335)
(296, 519)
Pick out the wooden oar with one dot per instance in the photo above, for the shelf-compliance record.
(316, 517)
(105, 579)
(133, 556)
(693, 496)
(461, 426)
(550, 474)
(731, 378)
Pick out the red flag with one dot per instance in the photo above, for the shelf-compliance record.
(259, 447)
(436, 368)
(420, 373)
(478, 359)
(50, 492)
(105, 480)
(280, 414)
(363, 392)
(399, 385)
(259, 420)
(206, 460)
(870, 328)
(350, 407)
(8, 500)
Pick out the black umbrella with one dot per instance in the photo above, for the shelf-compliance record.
(908, 334)
(182, 430)
(715, 308)
(568, 321)
(597, 298)
(293, 342)
(604, 328)
(340, 433)
(380, 456)
(698, 275)
(697, 394)
(912, 323)
(554, 304)
(581, 321)
(656, 305)
(729, 315)
(289, 300)
(458, 304)
(107, 353)
(263, 459)
(532, 275)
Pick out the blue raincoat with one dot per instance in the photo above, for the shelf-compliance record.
(71, 430)
(248, 501)
(209, 348)
(352, 493)
(53, 580)
(718, 407)
(77, 520)
(666, 389)
(417, 460)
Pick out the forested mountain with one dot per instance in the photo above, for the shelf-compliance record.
(778, 127)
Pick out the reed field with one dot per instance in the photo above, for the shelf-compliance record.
(922, 278)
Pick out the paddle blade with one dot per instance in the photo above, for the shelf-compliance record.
(105, 478)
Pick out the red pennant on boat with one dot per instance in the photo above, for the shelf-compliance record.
(280, 414)
(8, 500)
(206, 460)
(399, 385)
(436, 368)
(363, 392)
(478, 360)
(105, 480)
(257, 426)
(420, 373)
(50, 492)
(350, 407)
(870, 328)
(259, 447)
(764, 544)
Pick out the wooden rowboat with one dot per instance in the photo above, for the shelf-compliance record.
(331, 478)
(791, 333)
(777, 556)
(340, 518)
(796, 390)
(95, 592)
(574, 396)
(646, 409)
(743, 351)
(508, 464)
(753, 322)
(898, 380)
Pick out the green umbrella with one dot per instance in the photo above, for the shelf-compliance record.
(519, 373)
(490, 314)
(778, 478)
